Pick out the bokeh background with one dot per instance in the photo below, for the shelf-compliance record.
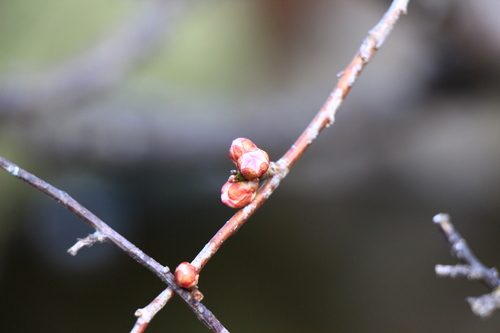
(130, 106)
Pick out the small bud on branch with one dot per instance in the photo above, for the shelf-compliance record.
(240, 146)
(251, 161)
(186, 276)
(239, 194)
(253, 164)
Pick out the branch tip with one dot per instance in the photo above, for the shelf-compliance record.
(441, 218)
(443, 270)
(484, 306)
(87, 241)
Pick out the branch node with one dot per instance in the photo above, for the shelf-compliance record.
(366, 48)
(87, 241)
(15, 171)
(441, 218)
(197, 295)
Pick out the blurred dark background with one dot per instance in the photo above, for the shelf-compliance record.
(130, 106)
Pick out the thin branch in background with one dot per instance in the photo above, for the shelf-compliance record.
(471, 269)
(106, 232)
(324, 118)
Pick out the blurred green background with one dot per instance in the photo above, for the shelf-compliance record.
(130, 106)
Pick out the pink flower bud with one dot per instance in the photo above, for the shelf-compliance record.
(253, 164)
(239, 194)
(240, 146)
(186, 276)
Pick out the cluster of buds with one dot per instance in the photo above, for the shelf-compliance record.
(252, 163)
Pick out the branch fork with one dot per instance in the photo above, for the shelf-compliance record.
(471, 269)
(248, 167)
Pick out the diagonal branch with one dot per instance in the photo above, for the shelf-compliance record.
(324, 118)
(472, 269)
(106, 232)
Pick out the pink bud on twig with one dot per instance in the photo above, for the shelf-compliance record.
(240, 146)
(186, 276)
(239, 194)
(253, 164)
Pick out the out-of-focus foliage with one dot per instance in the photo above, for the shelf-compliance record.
(36, 34)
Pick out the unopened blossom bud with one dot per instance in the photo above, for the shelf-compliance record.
(186, 276)
(253, 164)
(240, 146)
(239, 194)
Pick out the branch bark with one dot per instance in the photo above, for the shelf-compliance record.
(107, 233)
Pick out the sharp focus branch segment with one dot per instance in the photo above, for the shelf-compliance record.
(103, 231)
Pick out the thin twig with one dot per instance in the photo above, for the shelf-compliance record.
(87, 241)
(472, 269)
(324, 118)
(146, 314)
(106, 232)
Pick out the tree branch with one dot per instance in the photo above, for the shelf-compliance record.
(104, 232)
(324, 118)
(87, 241)
(473, 269)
